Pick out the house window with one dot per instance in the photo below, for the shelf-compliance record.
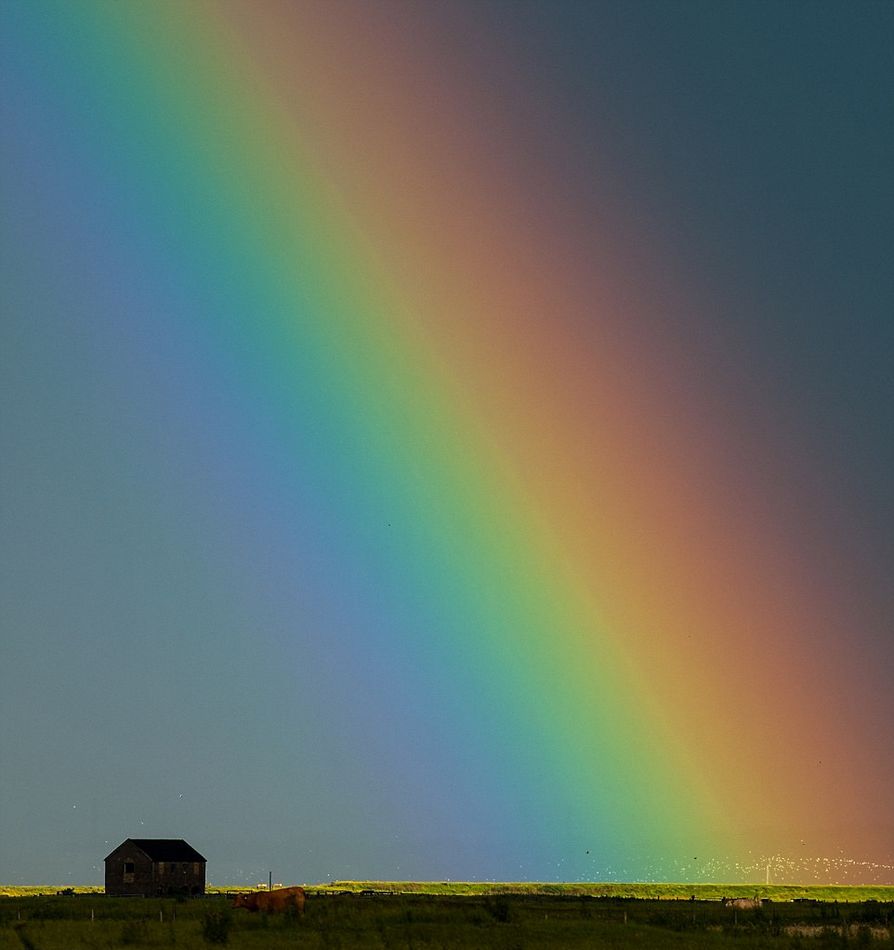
(128, 872)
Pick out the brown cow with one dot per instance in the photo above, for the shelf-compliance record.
(272, 902)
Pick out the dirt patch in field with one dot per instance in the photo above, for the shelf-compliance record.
(854, 930)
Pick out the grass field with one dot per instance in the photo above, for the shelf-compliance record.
(843, 893)
(452, 921)
(705, 892)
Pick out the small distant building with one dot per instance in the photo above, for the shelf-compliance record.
(149, 867)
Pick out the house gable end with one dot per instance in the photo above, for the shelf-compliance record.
(128, 846)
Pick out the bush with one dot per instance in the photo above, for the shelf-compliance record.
(498, 908)
(133, 932)
(216, 927)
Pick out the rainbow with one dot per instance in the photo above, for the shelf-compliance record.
(428, 426)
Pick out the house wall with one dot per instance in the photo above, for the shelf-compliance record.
(139, 883)
(180, 877)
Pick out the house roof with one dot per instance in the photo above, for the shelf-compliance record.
(165, 849)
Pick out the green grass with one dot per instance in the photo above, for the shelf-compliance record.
(38, 890)
(516, 921)
(34, 890)
(844, 893)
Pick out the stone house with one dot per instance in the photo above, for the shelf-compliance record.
(148, 867)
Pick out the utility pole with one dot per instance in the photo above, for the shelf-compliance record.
(270, 880)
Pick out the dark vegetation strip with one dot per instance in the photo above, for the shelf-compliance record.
(441, 922)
